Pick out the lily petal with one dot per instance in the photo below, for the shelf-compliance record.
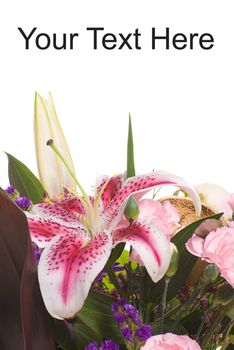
(52, 172)
(42, 230)
(72, 204)
(150, 243)
(113, 186)
(55, 212)
(213, 196)
(67, 268)
(114, 210)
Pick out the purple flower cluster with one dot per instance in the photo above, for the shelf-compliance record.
(23, 202)
(131, 326)
(105, 345)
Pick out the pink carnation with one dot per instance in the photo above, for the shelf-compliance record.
(216, 248)
(170, 341)
(164, 215)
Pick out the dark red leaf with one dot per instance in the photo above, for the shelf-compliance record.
(24, 322)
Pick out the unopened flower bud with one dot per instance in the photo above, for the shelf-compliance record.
(224, 295)
(174, 264)
(131, 210)
(210, 273)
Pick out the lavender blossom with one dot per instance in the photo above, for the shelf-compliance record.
(109, 345)
(120, 317)
(144, 332)
(127, 334)
(92, 346)
(10, 189)
(23, 202)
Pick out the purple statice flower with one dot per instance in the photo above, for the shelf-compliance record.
(127, 334)
(92, 346)
(115, 307)
(109, 345)
(144, 332)
(10, 190)
(23, 202)
(119, 317)
(132, 313)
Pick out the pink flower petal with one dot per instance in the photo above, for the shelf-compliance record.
(67, 268)
(42, 230)
(136, 184)
(162, 214)
(113, 186)
(195, 245)
(150, 244)
(54, 212)
(72, 204)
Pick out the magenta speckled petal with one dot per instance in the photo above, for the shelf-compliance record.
(67, 268)
(137, 184)
(150, 244)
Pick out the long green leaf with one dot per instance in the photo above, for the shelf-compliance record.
(96, 314)
(24, 180)
(130, 151)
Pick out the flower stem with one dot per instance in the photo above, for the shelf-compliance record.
(164, 301)
(219, 316)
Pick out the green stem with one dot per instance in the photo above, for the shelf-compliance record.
(226, 341)
(115, 282)
(203, 322)
(163, 303)
(220, 315)
(183, 308)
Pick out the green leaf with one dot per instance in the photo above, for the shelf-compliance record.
(96, 314)
(154, 292)
(24, 180)
(168, 324)
(130, 151)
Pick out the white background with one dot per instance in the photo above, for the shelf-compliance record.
(181, 102)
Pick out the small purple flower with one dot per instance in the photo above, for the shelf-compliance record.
(144, 332)
(109, 345)
(127, 334)
(10, 189)
(120, 317)
(23, 202)
(92, 346)
(115, 307)
(132, 313)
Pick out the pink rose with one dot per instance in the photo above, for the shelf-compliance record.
(216, 248)
(170, 341)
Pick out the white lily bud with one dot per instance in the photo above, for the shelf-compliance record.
(53, 174)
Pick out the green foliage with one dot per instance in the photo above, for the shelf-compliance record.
(24, 180)
(130, 151)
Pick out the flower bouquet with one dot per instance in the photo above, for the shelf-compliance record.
(117, 267)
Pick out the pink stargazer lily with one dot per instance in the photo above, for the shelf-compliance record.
(78, 234)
